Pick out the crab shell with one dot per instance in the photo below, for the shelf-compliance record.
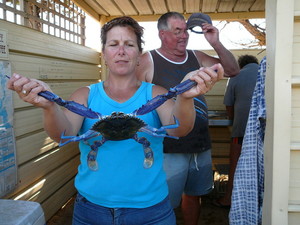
(118, 126)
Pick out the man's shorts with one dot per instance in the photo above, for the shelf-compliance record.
(189, 173)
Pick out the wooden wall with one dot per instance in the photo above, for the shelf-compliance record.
(45, 171)
(294, 184)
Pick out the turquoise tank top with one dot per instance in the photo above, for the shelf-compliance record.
(121, 180)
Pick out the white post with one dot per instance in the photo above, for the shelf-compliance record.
(280, 19)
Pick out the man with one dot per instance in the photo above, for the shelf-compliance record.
(237, 99)
(187, 161)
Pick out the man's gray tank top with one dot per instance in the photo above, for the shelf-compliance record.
(168, 74)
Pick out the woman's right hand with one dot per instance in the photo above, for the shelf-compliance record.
(28, 90)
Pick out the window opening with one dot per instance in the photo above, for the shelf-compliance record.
(60, 18)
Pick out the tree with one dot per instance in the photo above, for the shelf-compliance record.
(256, 30)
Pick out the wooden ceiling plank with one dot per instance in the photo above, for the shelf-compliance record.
(175, 6)
(226, 6)
(209, 6)
(110, 7)
(158, 6)
(259, 5)
(243, 5)
(192, 6)
(142, 7)
(126, 7)
(95, 5)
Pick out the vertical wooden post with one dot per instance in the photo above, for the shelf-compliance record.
(280, 20)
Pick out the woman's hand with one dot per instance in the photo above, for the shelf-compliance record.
(206, 77)
(28, 90)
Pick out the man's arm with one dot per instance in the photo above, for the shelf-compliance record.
(226, 58)
(145, 69)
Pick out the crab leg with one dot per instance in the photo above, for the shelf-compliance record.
(160, 132)
(70, 105)
(160, 99)
(149, 159)
(89, 134)
(92, 156)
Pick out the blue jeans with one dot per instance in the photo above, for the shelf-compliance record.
(87, 213)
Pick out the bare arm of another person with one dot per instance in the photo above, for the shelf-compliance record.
(226, 58)
(146, 69)
(56, 120)
(183, 108)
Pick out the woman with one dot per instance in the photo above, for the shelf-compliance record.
(121, 191)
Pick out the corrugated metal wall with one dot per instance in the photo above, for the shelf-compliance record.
(45, 171)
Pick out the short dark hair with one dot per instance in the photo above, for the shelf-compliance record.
(124, 21)
(162, 23)
(243, 60)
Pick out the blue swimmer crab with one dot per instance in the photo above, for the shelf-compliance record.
(118, 125)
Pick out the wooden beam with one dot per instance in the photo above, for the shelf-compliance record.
(214, 16)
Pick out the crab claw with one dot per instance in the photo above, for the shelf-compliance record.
(160, 99)
(182, 87)
(71, 105)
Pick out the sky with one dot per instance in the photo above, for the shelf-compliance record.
(230, 35)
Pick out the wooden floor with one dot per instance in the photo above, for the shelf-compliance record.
(210, 214)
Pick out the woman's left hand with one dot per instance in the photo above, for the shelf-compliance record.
(206, 77)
